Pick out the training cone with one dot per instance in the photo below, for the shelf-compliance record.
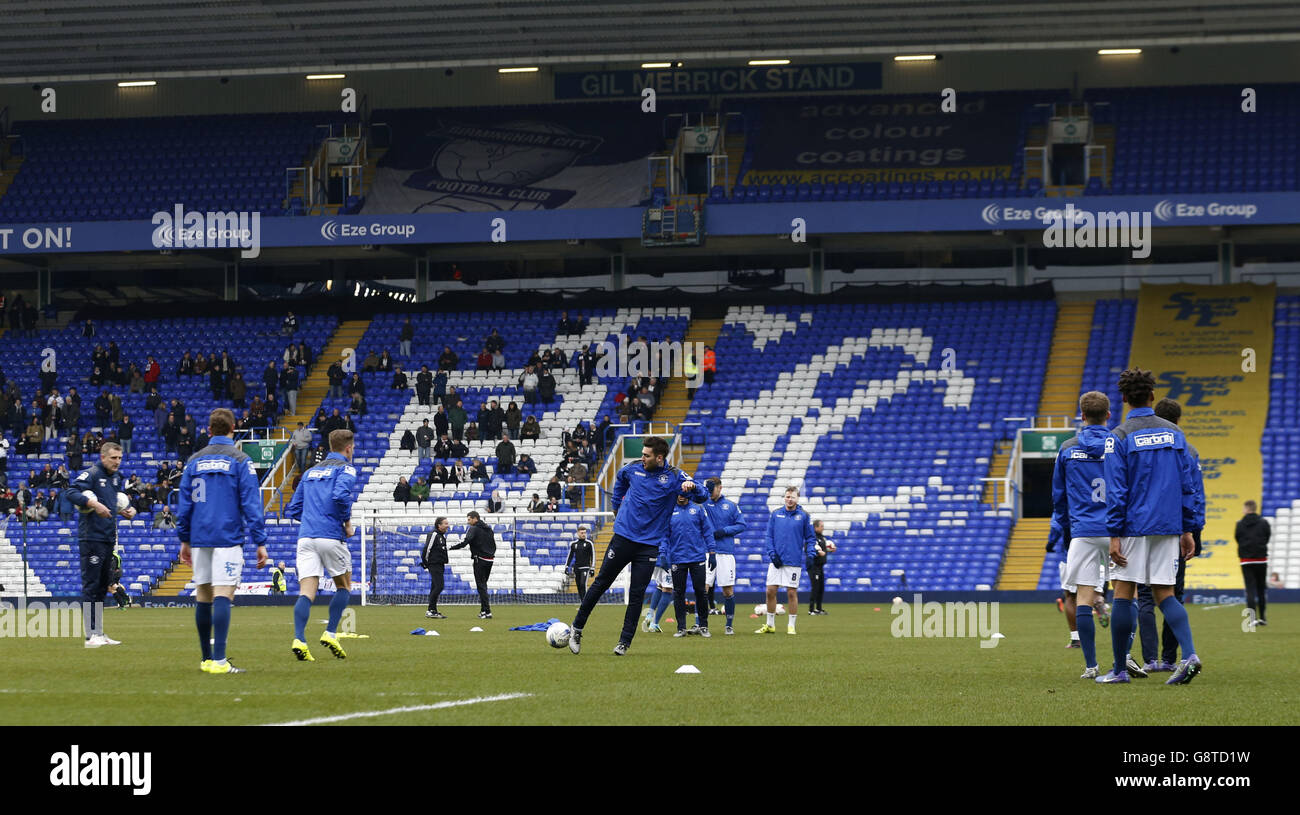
(687, 669)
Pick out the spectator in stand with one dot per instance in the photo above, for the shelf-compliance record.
(336, 377)
(404, 338)
(402, 492)
(484, 362)
(558, 358)
(420, 491)
(494, 342)
(408, 441)
(554, 490)
(531, 430)
(573, 491)
(441, 424)
(462, 471)
(304, 356)
(185, 444)
(90, 444)
(528, 382)
(115, 409)
(440, 389)
(1275, 581)
(292, 355)
(526, 465)
(587, 362)
(238, 389)
(332, 423)
(442, 449)
(553, 505)
(514, 418)
(496, 503)
(458, 418)
(103, 408)
(88, 329)
(448, 360)
(537, 504)
(505, 456)
(371, 363)
(300, 444)
(424, 385)
(546, 386)
(136, 379)
(125, 432)
(497, 418)
(288, 384)
(385, 362)
(498, 360)
(356, 385)
(442, 475)
(270, 378)
(200, 366)
(226, 365)
(399, 379)
(424, 437)
(186, 368)
(151, 372)
(289, 326)
(165, 519)
(479, 471)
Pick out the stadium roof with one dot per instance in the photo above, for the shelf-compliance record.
(68, 40)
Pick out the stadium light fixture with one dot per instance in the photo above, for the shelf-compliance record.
(138, 83)
(769, 62)
(916, 57)
(532, 70)
(326, 76)
(1118, 52)
(657, 64)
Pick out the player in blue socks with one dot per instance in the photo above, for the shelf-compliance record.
(728, 522)
(219, 507)
(1079, 516)
(661, 597)
(323, 503)
(1153, 506)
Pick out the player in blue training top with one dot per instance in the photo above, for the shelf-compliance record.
(94, 493)
(220, 505)
(1151, 506)
(645, 492)
(728, 522)
(323, 503)
(790, 543)
(1079, 512)
(690, 548)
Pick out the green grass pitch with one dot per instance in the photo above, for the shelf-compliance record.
(843, 668)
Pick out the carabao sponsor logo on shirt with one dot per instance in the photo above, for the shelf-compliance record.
(213, 465)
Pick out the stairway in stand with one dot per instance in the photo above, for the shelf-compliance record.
(1023, 562)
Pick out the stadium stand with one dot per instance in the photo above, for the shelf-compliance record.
(1281, 499)
(82, 171)
(250, 341)
(907, 494)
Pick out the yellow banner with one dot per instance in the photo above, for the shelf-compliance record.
(1210, 348)
(878, 175)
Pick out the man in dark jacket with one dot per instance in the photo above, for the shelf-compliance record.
(505, 456)
(483, 549)
(433, 557)
(335, 374)
(424, 439)
(424, 384)
(1252, 548)
(94, 493)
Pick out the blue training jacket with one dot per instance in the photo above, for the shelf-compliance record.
(790, 535)
(1151, 484)
(650, 497)
(323, 500)
(1079, 485)
(728, 522)
(220, 503)
(690, 536)
(92, 528)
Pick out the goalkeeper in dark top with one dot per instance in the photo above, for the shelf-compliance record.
(645, 493)
(578, 564)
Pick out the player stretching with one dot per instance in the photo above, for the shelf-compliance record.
(690, 547)
(220, 505)
(728, 522)
(790, 542)
(1079, 511)
(323, 504)
(644, 495)
(1151, 498)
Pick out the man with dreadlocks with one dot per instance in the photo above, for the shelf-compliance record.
(1152, 507)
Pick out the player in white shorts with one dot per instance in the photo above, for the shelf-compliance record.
(728, 522)
(790, 543)
(663, 597)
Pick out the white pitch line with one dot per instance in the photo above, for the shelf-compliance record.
(366, 714)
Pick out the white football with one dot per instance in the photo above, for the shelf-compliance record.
(122, 501)
(90, 496)
(780, 608)
(760, 609)
(557, 636)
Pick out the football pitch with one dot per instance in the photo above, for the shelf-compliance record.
(842, 668)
